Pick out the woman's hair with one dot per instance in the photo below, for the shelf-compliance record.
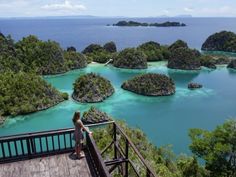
(76, 117)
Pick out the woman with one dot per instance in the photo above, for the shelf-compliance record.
(79, 127)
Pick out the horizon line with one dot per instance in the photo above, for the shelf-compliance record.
(94, 16)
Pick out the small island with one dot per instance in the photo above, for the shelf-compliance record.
(93, 116)
(222, 41)
(24, 93)
(193, 86)
(183, 57)
(130, 58)
(150, 85)
(135, 24)
(92, 88)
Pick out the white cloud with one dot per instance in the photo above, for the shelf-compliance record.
(66, 6)
(165, 11)
(188, 9)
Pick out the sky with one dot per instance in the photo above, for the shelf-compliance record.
(109, 8)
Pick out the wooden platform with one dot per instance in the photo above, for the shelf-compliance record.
(63, 165)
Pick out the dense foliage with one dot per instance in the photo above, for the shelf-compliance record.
(23, 93)
(8, 59)
(134, 23)
(150, 85)
(184, 58)
(131, 58)
(45, 57)
(222, 41)
(217, 148)
(161, 159)
(92, 48)
(97, 53)
(154, 51)
(71, 49)
(94, 115)
(42, 57)
(178, 44)
(92, 88)
(75, 60)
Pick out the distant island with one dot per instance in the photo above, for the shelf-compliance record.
(134, 23)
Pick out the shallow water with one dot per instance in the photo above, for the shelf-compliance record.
(165, 120)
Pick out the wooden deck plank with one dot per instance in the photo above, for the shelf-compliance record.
(53, 166)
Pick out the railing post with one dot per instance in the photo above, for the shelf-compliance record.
(32, 144)
(148, 173)
(28, 146)
(115, 140)
(127, 157)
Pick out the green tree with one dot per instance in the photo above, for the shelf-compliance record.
(217, 148)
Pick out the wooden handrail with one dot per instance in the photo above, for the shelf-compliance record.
(135, 150)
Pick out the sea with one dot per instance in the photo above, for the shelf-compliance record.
(165, 120)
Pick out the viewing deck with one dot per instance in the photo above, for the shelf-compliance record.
(63, 165)
(51, 154)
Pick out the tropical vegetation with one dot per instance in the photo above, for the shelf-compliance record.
(130, 58)
(90, 88)
(154, 51)
(150, 84)
(221, 41)
(22, 93)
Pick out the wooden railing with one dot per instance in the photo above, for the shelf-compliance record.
(37, 144)
(40, 144)
(126, 159)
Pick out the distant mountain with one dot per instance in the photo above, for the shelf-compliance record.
(184, 16)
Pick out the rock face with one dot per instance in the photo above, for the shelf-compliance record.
(185, 59)
(75, 60)
(94, 116)
(232, 64)
(131, 58)
(194, 86)
(92, 88)
(222, 41)
(150, 85)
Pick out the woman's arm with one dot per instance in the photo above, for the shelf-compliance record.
(85, 128)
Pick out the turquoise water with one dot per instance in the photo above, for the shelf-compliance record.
(165, 120)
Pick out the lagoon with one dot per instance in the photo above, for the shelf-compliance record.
(165, 120)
